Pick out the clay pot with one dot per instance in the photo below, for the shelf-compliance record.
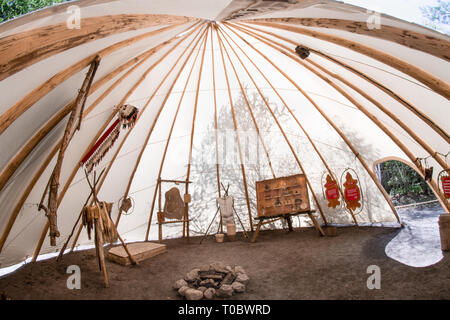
(220, 237)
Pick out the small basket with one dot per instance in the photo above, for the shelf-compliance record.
(219, 237)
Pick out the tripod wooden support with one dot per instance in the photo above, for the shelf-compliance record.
(98, 236)
(185, 220)
(221, 219)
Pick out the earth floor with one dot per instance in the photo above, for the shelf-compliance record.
(281, 265)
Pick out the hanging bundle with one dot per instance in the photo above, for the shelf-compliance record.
(101, 212)
(126, 118)
(302, 51)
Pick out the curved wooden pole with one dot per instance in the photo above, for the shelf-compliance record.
(163, 104)
(236, 130)
(434, 83)
(38, 248)
(426, 43)
(335, 127)
(138, 160)
(172, 127)
(24, 49)
(249, 108)
(36, 94)
(216, 124)
(26, 149)
(402, 146)
(188, 170)
(30, 186)
(140, 114)
(278, 123)
(401, 100)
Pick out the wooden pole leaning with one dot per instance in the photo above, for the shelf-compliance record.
(335, 127)
(71, 126)
(237, 135)
(279, 125)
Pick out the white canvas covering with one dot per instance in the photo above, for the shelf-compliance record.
(198, 77)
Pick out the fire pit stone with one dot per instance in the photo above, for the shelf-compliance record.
(214, 280)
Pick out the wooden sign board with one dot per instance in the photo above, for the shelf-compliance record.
(286, 195)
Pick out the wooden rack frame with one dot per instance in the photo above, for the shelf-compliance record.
(186, 200)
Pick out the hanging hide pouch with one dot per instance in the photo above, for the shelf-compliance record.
(174, 205)
(302, 51)
(226, 209)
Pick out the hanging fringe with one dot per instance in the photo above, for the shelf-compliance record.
(126, 119)
(102, 213)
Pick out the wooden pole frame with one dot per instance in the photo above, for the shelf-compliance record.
(335, 127)
(15, 162)
(237, 135)
(434, 83)
(248, 107)
(90, 146)
(377, 122)
(401, 100)
(188, 170)
(170, 134)
(31, 185)
(140, 114)
(36, 94)
(157, 116)
(278, 123)
(414, 40)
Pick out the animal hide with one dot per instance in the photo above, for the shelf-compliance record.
(174, 205)
(226, 209)
(102, 213)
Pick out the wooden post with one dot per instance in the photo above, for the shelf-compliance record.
(237, 136)
(280, 127)
(336, 128)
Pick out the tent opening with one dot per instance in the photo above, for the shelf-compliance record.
(418, 243)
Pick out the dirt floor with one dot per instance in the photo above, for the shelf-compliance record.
(297, 265)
